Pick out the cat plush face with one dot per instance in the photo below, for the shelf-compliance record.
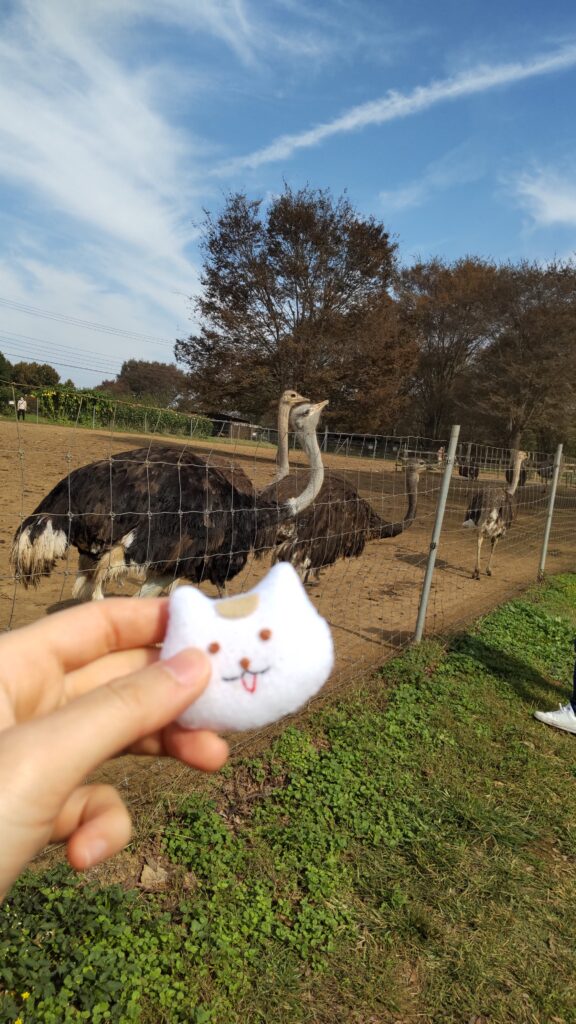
(270, 651)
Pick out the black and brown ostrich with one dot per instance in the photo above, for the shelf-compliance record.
(338, 523)
(159, 514)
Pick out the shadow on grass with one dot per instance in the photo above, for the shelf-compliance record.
(529, 684)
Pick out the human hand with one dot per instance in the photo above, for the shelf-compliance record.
(78, 688)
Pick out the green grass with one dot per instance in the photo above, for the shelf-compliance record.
(406, 856)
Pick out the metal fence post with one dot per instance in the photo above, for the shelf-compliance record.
(550, 513)
(440, 508)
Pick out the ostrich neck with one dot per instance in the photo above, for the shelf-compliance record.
(310, 445)
(515, 476)
(385, 530)
(412, 489)
(282, 462)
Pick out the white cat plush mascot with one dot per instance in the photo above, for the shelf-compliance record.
(270, 651)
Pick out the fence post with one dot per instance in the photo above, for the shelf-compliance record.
(550, 513)
(440, 508)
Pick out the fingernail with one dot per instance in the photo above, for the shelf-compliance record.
(188, 667)
(95, 852)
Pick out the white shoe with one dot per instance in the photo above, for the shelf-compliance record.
(564, 718)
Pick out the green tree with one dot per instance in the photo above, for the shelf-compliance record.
(162, 384)
(526, 378)
(35, 374)
(450, 310)
(5, 368)
(286, 293)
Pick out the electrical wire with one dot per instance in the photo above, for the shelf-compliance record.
(44, 348)
(54, 362)
(22, 307)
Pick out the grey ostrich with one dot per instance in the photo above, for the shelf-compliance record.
(338, 523)
(159, 514)
(491, 511)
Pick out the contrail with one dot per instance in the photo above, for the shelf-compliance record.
(395, 105)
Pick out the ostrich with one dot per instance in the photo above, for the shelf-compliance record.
(338, 523)
(546, 472)
(491, 511)
(158, 514)
(510, 471)
(468, 470)
(288, 399)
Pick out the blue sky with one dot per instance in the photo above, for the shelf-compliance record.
(120, 120)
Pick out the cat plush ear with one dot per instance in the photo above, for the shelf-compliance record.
(187, 605)
(281, 588)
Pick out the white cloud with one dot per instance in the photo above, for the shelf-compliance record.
(112, 183)
(457, 167)
(397, 105)
(549, 197)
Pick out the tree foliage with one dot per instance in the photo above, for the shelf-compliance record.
(150, 383)
(526, 378)
(5, 368)
(296, 295)
(450, 310)
(34, 374)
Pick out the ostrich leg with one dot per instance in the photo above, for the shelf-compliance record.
(476, 573)
(493, 543)
(157, 586)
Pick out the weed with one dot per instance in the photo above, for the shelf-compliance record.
(406, 856)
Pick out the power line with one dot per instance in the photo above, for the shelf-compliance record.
(43, 345)
(149, 339)
(54, 362)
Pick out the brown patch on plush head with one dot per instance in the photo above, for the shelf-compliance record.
(237, 607)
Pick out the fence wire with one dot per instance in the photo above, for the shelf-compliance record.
(370, 601)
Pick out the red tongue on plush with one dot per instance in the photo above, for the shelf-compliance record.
(249, 681)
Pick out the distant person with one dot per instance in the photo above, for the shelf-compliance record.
(21, 408)
(441, 455)
(565, 717)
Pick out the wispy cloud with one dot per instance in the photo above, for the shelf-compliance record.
(106, 182)
(549, 197)
(458, 167)
(395, 105)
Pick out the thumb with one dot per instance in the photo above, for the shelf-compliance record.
(68, 744)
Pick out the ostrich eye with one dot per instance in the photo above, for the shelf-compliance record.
(213, 648)
(265, 634)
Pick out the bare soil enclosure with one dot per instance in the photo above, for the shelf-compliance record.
(371, 602)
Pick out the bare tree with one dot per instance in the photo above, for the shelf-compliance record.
(286, 294)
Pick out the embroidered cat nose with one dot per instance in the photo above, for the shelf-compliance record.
(245, 663)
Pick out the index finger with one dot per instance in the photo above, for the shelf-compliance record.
(77, 636)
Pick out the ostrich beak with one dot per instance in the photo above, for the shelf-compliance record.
(316, 410)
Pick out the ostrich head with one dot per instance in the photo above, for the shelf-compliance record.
(288, 400)
(304, 420)
(416, 466)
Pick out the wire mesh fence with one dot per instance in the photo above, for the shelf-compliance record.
(371, 601)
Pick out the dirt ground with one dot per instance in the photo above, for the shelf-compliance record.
(371, 602)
